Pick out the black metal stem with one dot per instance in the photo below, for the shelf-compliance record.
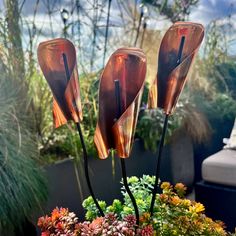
(78, 21)
(154, 192)
(85, 155)
(122, 160)
(180, 52)
(66, 67)
(143, 34)
(86, 171)
(106, 33)
(124, 176)
(95, 16)
(139, 25)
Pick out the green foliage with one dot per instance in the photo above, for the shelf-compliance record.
(92, 211)
(14, 46)
(221, 107)
(89, 94)
(55, 144)
(226, 72)
(218, 100)
(141, 189)
(150, 124)
(175, 10)
(173, 214)
(215, 45)
(116, 207)
(22, 186)
(40, 98)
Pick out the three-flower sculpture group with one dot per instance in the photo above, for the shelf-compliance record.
(120, 92)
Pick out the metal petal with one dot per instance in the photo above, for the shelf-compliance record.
(152, 95)
(58, 117)
(128, 65)
(65, 89)
(178, 48)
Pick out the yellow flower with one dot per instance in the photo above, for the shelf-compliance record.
(197, 208)
(208, 220)
(220, 230)
(165, 185)
(186, 202)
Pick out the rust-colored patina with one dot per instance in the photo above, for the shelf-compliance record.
(178, 48)
(128, 65)
(65, 87)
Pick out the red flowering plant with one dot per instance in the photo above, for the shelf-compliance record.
(62, 222)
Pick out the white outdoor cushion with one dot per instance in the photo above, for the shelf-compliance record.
(231, 142)
(220, 168)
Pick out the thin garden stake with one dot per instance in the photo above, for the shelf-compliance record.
(78, 21)
(85, 155)
(106, 33)
(95, 19)
(122, 160)
(154, 192)
(139, 25)
(143, 34)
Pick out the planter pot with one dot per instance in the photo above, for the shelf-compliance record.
(177, 160)
(64, 191)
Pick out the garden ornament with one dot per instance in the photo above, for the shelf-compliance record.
(121, 87)
(57, 59)
(177, 51)
(66, 93)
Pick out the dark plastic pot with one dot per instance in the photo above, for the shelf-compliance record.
(64, 191)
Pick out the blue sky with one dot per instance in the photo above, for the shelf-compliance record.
(204, 12)
(208, 10)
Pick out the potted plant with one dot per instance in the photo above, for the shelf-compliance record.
(173, 215)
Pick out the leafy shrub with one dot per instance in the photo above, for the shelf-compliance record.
(221, 107)
(64, 141)
(149, 127)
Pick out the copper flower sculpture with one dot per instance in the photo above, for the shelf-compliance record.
(65, 88)
(121, 87)
(178, 48)
(57, 59)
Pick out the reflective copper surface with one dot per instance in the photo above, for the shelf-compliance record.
(128, 65)
(66, 93)
(177, 51)
(152, 95)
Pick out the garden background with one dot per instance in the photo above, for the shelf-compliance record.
(28, 140)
